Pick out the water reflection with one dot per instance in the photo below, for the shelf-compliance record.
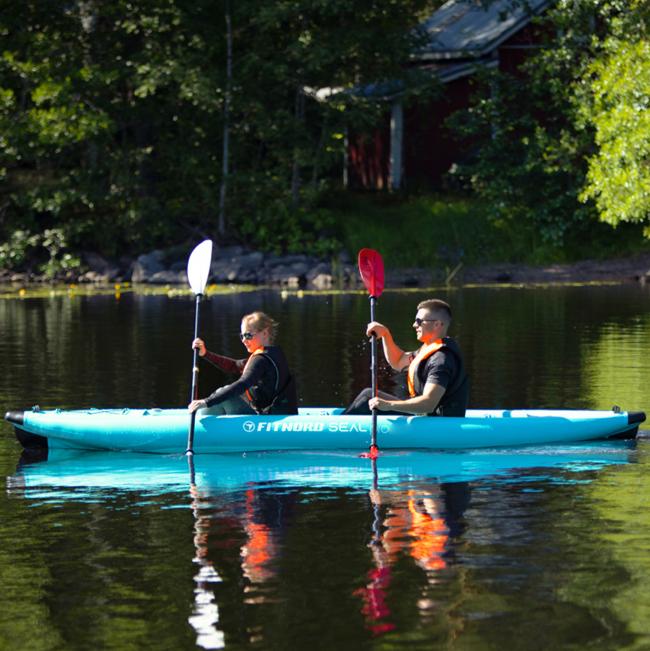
(418, 523)
(269, 527)
(205, 617)
(497, 549)
(615, 369)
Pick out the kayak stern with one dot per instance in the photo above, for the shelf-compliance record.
(27, 439)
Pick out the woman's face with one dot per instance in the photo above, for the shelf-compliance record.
(252, 338)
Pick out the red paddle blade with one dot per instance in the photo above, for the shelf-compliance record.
(371, 268)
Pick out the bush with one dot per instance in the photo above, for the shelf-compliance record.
(47, 250)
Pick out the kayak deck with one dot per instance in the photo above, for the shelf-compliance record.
(314, 428)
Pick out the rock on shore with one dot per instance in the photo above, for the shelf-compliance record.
(234, 265)
(238, 265)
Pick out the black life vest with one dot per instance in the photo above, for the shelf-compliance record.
(280, 398)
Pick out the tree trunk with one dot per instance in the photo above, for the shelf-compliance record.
(221, 227)
(299, 113)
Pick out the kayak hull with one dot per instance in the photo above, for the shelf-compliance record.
(165, 431)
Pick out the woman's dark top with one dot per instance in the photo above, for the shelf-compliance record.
(265, 380)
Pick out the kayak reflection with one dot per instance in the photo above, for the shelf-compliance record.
(77, 474)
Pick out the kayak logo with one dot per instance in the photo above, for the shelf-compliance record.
(279, 426)
(250, 426)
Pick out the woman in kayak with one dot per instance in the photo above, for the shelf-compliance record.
(266, 385)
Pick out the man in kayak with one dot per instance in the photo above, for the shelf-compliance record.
(437, 382)
(266, 385)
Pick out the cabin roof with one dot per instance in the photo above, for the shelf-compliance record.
(473, 28)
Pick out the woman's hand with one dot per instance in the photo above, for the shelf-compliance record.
(196, 404)
(199, 344)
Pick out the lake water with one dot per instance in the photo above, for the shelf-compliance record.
(545, 548)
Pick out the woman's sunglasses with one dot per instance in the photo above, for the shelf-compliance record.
(246, 335)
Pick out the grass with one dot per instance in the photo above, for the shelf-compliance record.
(437, 231)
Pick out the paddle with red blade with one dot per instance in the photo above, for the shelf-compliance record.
(371, 268)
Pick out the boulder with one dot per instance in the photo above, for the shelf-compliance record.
(100, 269)
(323, 281)
(146, 266)
(168, 277)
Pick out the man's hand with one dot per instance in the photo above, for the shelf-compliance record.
(379, 404)
(378, 329)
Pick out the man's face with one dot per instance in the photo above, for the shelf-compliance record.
(427, 327)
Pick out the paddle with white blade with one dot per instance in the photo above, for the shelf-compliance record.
(198, 270)
(371, 268)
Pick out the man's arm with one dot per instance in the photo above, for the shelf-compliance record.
(395, 356)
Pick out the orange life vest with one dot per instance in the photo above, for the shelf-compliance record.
(424, 353)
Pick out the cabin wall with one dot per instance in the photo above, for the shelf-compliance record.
(429, 149)
(369, 157)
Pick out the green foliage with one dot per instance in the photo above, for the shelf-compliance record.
(527, 161)
(111, 114)
(50, 246)
(424, 232)
(282, 229)
(438, 232)
(112, 119)
(618, 179)
(14, 252)
(583, 97)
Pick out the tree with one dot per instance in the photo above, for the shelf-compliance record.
(618, 109)
(121, 122)
(527, 160)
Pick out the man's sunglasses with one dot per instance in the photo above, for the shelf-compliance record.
(246, 335)
(418, 321)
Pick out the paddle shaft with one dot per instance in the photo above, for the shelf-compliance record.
(373, 373)
(195, 376)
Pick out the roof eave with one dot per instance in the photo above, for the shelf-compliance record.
(478, 53)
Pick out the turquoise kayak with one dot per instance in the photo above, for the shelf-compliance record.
(165, 430)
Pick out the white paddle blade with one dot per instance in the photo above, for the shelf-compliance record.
(198, 266)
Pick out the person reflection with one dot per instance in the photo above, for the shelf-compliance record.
(414, 523)
(267, 514)
(260, 549)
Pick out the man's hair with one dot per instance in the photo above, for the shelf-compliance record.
(437, 307)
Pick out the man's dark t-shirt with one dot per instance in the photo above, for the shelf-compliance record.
(445, 368)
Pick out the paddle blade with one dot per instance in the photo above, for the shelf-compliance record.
(198, 266)
(371, 268)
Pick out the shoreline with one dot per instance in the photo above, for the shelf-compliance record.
(254, 270)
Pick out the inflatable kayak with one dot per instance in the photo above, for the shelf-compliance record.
(165, 430)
